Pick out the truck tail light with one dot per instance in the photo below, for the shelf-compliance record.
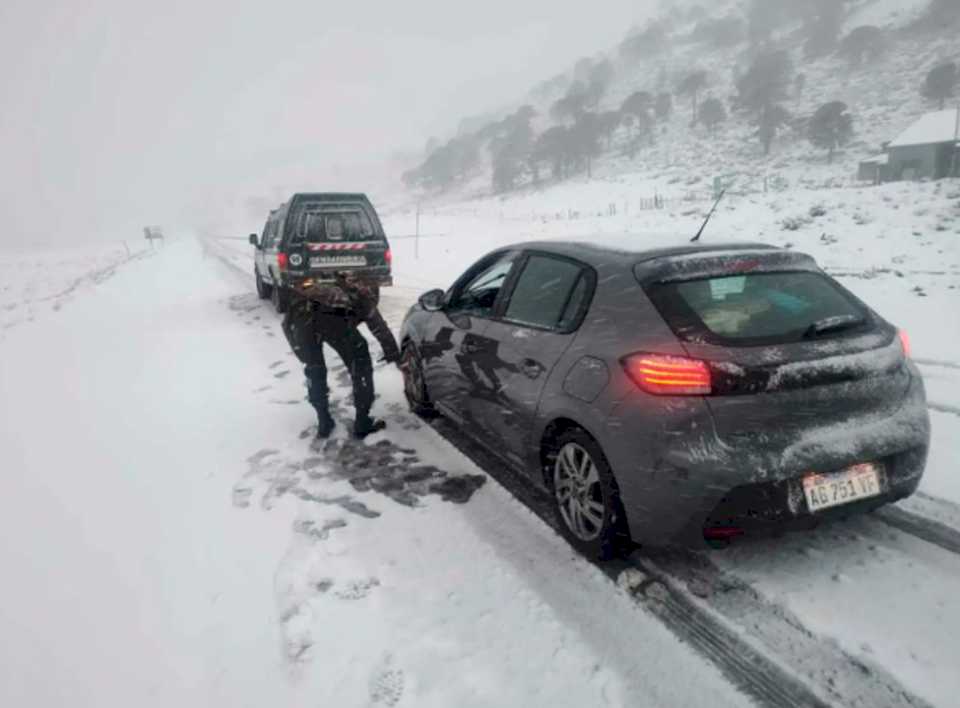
(282, 261)
(664, 375)
(388, 257)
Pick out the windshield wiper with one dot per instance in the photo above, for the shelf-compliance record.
(837, 323)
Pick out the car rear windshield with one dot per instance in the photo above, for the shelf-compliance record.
(757, 307)
(333, 223)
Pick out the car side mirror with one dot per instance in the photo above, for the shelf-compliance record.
(253, 240)
(432, 301)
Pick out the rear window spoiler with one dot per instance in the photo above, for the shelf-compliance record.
(690, 266)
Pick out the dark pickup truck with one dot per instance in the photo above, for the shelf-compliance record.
(315, 236)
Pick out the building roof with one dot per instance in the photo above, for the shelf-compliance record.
(881, 159)
(936, 127)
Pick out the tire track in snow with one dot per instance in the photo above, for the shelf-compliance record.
(770, 628)
(937, 362)
(943, 408)
(925, 529)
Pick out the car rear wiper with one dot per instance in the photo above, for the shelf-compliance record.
(837, 323)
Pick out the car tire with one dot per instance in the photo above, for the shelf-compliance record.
(414, 383)
(586, 499)
(279, 299)
(263, 290)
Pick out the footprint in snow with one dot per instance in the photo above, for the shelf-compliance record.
(386, 683)
(241, 497)
(259, 456)
(309, 528)
(275, 364)
(357, 589)
(281, 374)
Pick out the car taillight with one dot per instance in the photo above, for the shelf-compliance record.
(282, 261)
(664, 375)
(388, 257)
(904, 342)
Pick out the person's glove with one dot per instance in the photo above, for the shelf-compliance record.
(391, 359)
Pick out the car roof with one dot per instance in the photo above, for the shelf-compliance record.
(635, 249)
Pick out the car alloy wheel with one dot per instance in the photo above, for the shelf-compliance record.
(576, 484)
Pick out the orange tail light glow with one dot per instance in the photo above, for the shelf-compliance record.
(664, 375)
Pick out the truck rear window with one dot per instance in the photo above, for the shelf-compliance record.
(326, 223)
(757, 307)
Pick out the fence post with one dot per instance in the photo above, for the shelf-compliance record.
(416, 236)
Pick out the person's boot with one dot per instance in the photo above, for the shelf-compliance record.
(325, 425)
(365, 425)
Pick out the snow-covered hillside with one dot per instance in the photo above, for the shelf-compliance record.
(882, 95)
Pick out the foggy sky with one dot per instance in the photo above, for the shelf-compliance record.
(120, 113)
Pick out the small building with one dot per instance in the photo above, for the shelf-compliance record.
(875, 169)
(927, 149)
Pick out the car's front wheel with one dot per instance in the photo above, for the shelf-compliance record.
(585, 495)
(414, 382)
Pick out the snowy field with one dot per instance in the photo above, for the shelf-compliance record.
(33, 281)
(170, 537)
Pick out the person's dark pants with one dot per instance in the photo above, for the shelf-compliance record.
(341, 334)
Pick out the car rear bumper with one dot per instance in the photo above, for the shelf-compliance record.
(684, 478)
(767, 507)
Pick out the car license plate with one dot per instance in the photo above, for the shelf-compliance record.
(343, 261)
(835, 488)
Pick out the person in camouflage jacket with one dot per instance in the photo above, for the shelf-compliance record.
(330, 312)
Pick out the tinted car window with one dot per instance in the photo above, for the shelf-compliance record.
(335, 226)
(754, 307)
(479, 295)
(333, 223)
(543, 292)
(270, 234)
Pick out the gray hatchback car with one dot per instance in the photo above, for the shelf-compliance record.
(673, 396)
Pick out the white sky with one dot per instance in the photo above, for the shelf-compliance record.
(120, 113)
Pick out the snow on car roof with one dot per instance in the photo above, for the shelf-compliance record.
(936, 127)
(646, 246)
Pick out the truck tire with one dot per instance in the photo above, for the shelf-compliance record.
(279, 298)
(263, 290)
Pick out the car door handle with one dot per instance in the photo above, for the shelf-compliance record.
(531, 369)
